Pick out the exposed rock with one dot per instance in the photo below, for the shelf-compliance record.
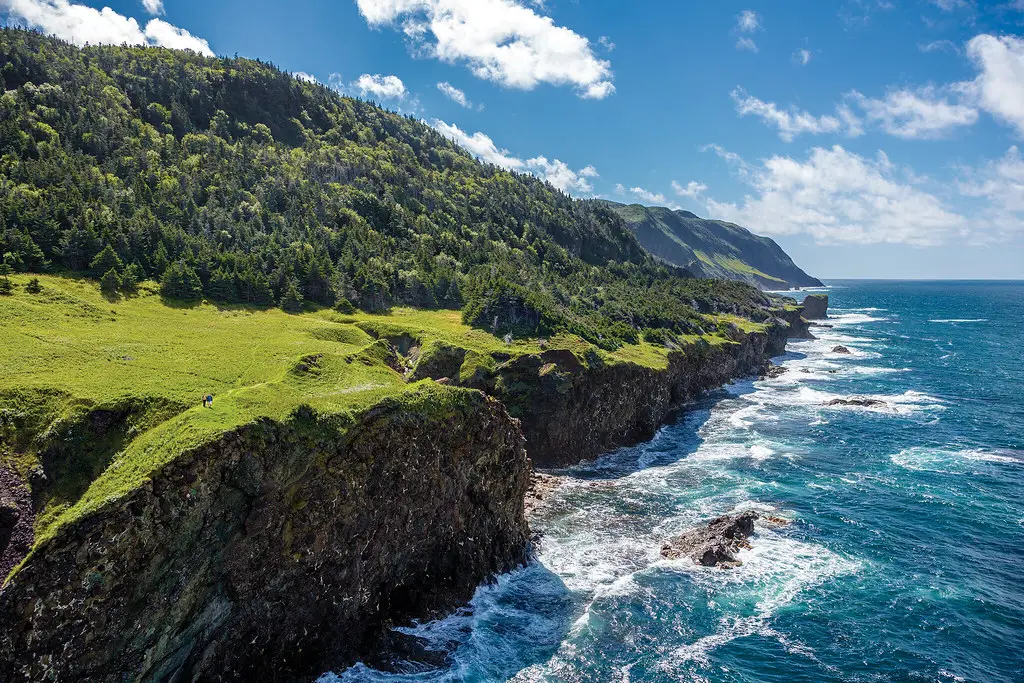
(16, 521)
(714, 544)
(541, 487)
(823, 325)
(858, 401)
(279, 551)
(816, 307)
(773, 371)
(841, 349)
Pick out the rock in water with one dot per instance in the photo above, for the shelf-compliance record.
(858, 401)
(714, 544)
(841, 349)
(816, 307)
(773, 371)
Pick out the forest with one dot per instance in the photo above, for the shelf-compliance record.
(229, 180)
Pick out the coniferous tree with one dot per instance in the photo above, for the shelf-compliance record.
(181, 282)
(110, 282)
(105, 261)
(291, 300)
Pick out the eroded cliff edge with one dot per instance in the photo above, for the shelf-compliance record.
(277, 550)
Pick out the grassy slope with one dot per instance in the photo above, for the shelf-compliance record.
(711, 248)
(68, 350)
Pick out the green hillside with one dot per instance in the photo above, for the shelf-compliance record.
(229, 180)
(713, 249)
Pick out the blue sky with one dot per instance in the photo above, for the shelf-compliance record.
(870, 138)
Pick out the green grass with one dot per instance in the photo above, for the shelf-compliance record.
(68, 351)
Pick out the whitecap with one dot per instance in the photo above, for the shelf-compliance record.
(960, 320)
(949, 461)
(854, 319)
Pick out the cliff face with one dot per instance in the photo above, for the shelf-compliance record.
(713, 249)
(276, 551)
(573, 409)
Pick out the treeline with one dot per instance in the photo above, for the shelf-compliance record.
(230, 180)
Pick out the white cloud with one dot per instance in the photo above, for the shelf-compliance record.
(939, 46)
(454, 94)
(924, 113)
(950, 5)
(503, 41)
(653, 198)
(159, 32)
(80, 24)
(692, 189)
(380, 87)
(802, 57)
(303, 76)
(999, 185)
(748, 21)
(837, 196)
(154, 7)
(745, 43)
(481, 146)
(789, 123)
(561, 176)
(555, 172)
(999, 88)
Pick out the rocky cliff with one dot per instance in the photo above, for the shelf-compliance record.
(278, 550)
(284, 547)
(574, 407)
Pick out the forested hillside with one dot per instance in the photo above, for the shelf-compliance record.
(714, 249)
(231, 180)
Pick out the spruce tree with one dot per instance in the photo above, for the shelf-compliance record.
(291, 300)
(181, 282)
(110, 282)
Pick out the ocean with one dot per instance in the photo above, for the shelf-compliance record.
(905, 557)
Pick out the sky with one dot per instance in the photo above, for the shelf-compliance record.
(869, 138)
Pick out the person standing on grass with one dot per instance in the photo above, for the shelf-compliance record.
(204, 400)
(209, 400)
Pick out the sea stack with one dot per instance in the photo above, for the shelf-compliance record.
(816, 307)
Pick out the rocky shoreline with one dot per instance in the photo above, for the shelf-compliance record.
(285, 549)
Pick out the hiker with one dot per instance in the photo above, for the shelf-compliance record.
(204, 400)
(209, 400)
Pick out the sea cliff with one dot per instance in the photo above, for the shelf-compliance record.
(377, 478)
(278, 549)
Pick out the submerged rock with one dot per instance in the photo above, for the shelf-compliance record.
(714, 544)
(842, 350)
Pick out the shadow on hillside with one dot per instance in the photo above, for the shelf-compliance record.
(180, 304)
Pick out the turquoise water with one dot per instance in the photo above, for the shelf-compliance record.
(905, 558)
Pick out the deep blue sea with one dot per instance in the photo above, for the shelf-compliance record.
(905, 557)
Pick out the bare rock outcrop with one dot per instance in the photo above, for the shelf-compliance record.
(716, 543)
(816, 307)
